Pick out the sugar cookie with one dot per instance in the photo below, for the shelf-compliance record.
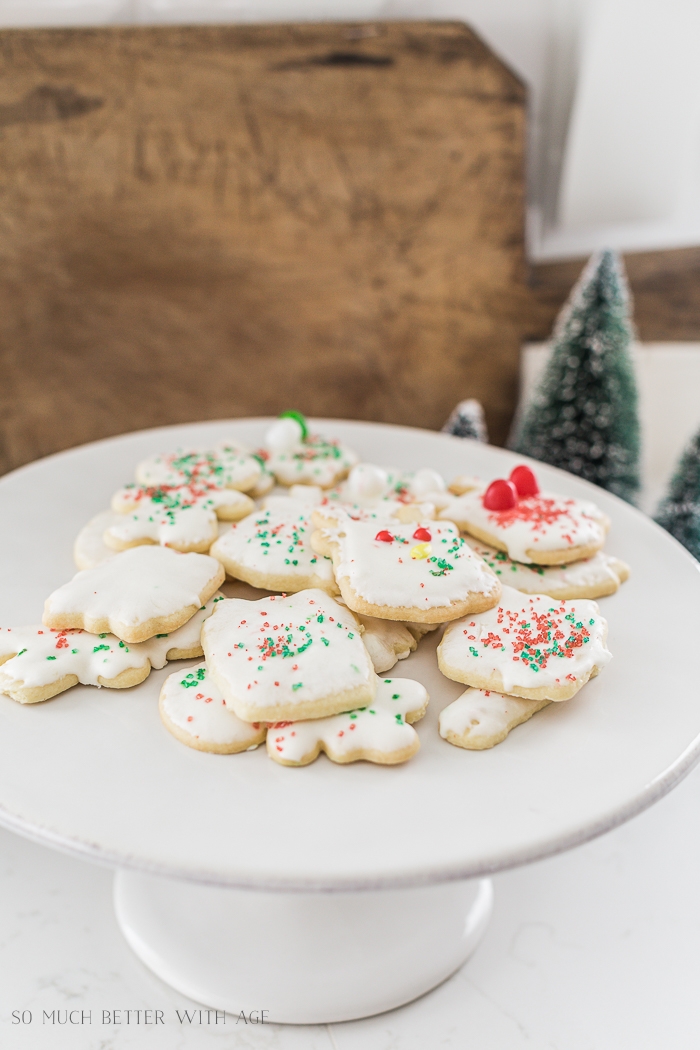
(90, 548)
(591, 578)
(424, 572)
(288, 657)
(377, 733)
(194, 711)
(479, 718)
(228, 465)
(531, 527)
(140, 593)
(296, 457)
(184, 518)
(36, 663)
(271, 550)
(532, 646)
(386, 641)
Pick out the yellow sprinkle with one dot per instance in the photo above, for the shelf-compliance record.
(421, 550)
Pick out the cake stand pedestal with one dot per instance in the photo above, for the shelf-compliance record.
(302, 958)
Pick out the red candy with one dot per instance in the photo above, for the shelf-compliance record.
(525, 481)
(384, 536)
(422, 534)
(500, 495)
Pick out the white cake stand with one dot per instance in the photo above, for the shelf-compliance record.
(328, 893)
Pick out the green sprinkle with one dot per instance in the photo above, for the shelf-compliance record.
(97, 649)
(50, 657)
(396, 696)
(297, 685)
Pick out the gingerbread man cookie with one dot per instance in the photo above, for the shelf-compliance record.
(288, 657)
(421, 572)
(271, 550)
(37, 663)
(479, 718)
(531, 646)
(512, 515)
(378, 733)
(195, 712)
(142, 592)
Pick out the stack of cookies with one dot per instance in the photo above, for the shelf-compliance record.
(357, 564)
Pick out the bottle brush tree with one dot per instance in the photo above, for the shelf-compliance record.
(679, 511)
(583, 416)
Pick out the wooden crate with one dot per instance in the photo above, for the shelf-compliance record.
(224, 221)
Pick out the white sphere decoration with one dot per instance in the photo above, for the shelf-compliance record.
(425, 482)
(366, 481)
(284, 435)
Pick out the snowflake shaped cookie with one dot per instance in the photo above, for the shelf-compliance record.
(184, 518)
(37, 663)
(142, 592)
(417, 572)
(590, 578)
(288, 656)
(479, 718)
(193, 709)
(271, 549)
(380, 732)
(531, 646)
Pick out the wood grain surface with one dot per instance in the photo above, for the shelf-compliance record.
(224, 221)
(665, 287)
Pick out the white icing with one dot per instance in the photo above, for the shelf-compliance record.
(601, 571)
(426, 482)
(140, 584)
(538, 523)
(191, 701)
(184, 518)
(314, 461)
(531, 641)
(409, 572)
(309, 495)
(283, 652)
(380, 730)
(90, 548)
(40, 656)
(275, 541)
(480, 718)
(228, 465)
(284, 435)
(366, 482)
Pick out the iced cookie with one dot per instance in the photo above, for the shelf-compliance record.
(386, 641)
(270, 549)
(531, 646)
(90, 548)
(423, 572)
(479, 719)
(591, 578)
(184, 518)
(512, 515)
(227, 466)
(297, 457)
(378, 733)
(142, 592)
(288, 657)
(36, 663)
(194, 711)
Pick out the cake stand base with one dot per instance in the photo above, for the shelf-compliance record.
(301, 958)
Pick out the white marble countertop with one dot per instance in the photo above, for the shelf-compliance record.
(598, 949)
